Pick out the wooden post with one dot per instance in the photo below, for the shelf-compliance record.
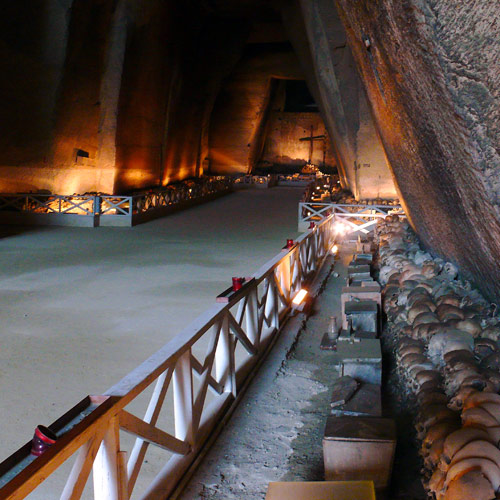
(106, 473)
(122, 475)
(183, 398)
(252, 318)
(286, 278)
(224, 359)
(272, 303)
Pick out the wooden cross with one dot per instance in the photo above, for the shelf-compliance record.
(312, 138)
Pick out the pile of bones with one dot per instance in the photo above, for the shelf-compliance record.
(444, 335)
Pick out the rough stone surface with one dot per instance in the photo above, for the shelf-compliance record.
(284, 147)
(320, 41)
(431, 71)
(243, 106)
(129, 84)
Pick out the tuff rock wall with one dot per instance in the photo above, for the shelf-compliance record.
(109, 95)
(319, 39)
(242, 108)
(284, 146)
(431, 70)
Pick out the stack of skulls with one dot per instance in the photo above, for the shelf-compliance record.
(448, 358)
(379, 201)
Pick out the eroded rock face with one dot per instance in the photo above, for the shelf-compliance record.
(107, 95)
(175, 60)
(320, 41)
(285, 144)
(431, 71)
(242, 108)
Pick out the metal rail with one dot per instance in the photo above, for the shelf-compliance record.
(233, 336)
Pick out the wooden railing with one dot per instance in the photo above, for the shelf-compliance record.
(201, 372)
(350, 219)
(108, 210)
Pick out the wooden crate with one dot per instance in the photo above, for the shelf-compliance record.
(359, 448)
(321, 490)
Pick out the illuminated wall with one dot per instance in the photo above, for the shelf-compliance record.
(237, 130)
(284, 147)
(116, 95)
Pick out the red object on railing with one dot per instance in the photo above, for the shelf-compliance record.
(238, 283)
(43, 439)
(289, 243)
(312, 225)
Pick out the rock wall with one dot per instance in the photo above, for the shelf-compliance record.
(32, 55)
(242, 107)
(284, 147)
(431, 71)
(110, 95)
(168, 90)
(320, 41)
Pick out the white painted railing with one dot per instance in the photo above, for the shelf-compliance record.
(109, 210)
(351, 219)
(49, 204)
(201, 371)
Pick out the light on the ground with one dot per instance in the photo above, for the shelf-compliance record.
(301, 295)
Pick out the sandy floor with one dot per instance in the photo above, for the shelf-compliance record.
(82, 307)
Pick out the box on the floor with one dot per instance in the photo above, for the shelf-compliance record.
(361, 359)
(321, 490)
(362, 313)
(359, 448)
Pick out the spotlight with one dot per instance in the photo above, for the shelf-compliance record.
(299, 302)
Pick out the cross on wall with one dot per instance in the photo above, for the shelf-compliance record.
(311, 140)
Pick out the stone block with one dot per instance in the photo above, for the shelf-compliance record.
(364, 291)
(342, 391)
(354, 268)
(363, 247)
(363, 257)
(362, 313)
(359, 448)
(321, 490)
(345, 336)
(366, 400)
(361, 360)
